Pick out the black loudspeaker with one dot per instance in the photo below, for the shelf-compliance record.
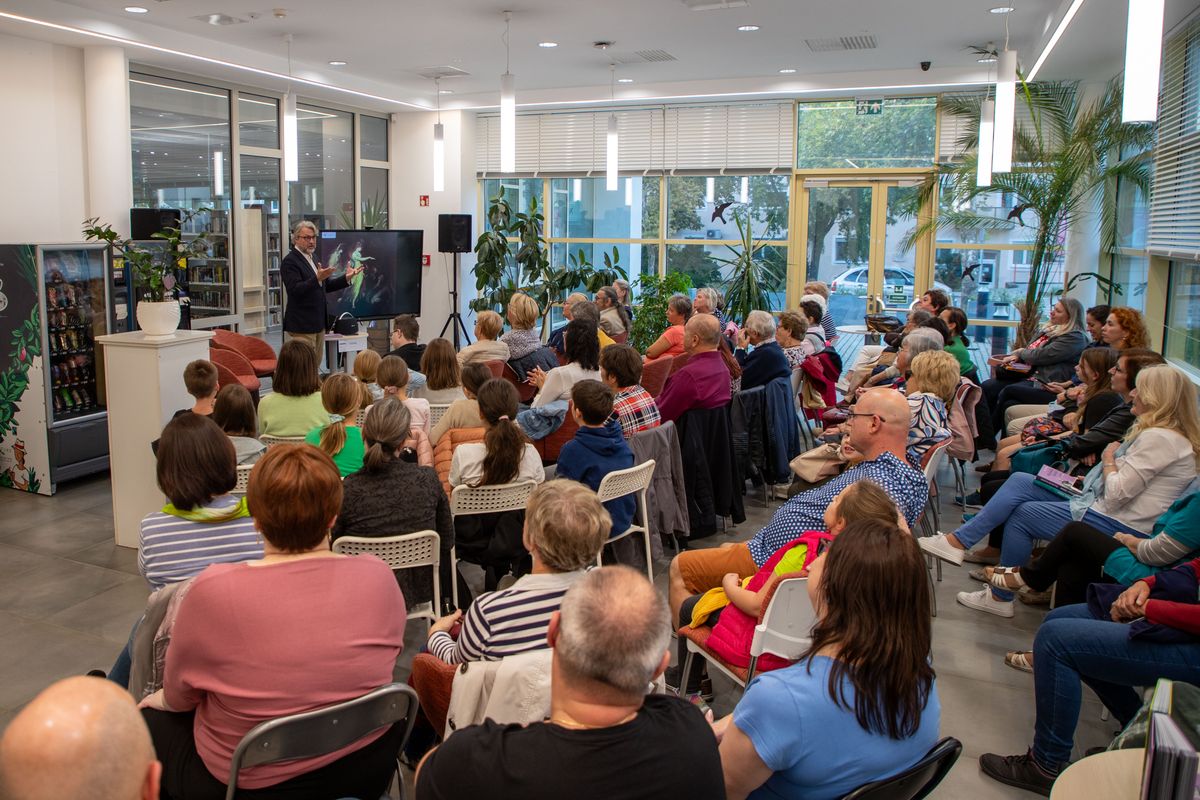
(146, 221)
(454, 233)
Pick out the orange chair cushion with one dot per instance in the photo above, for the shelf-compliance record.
(444, 451)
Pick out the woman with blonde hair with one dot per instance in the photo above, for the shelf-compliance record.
(366, 368)
(487, 345)
(522, 316)
(1124, 329)
(930, 391)
(393, 377)
(443, 381)
(340, 438)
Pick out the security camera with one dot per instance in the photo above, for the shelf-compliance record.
(925, 65)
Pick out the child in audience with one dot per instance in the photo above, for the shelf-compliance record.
(340, 438)
(200, 378)
(293, 407)
(599, 447)
(366, 367)
(633, 406)
(234, 413)
(393, 377)
(464, 413)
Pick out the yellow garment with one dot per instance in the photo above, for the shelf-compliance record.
(716, 599)
(605, 339)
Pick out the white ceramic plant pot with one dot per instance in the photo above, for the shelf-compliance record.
(158, 319)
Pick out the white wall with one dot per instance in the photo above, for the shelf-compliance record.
(411, 177)
(43, 198)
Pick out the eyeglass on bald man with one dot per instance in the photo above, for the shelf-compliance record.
(865, 414)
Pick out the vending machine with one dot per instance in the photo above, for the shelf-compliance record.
(54, 302)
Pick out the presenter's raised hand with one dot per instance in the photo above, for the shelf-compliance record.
(324, 272)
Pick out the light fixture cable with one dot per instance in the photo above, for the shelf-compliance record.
(439, 142)
(291, 134)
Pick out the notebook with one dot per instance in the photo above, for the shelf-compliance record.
(1171, 761)
(1058, 481)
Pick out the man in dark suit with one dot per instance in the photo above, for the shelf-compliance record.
(306, 283)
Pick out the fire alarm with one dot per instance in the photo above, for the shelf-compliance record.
(425, 259)
(424, 200)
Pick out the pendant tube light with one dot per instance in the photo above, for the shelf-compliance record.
(577, 190)
(710, 189)
(629, 191)
(291, 144)
(1006, 111)
(745, 193)
(218, 186)
(612, 141)
(1143, 61)
(508, 109)
(987, 111)
(439, 143)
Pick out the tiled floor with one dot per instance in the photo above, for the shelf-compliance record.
(68, 597)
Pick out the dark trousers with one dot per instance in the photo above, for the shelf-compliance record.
(1074, 558)
(1002, 394)
(365, 773)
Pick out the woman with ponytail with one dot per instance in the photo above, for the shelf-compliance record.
(391, 495)
(341, 439)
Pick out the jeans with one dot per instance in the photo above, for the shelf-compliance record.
(119, 673)
(1072, 646)
(1074, 560)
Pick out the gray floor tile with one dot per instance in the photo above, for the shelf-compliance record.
(16, 561)
(110, 556)
(51, 588)
(23, 511)
(110, 614)
(36, 654)
(68, 534)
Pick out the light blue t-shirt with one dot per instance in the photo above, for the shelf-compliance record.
(816, 748)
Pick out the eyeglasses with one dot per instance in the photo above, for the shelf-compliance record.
(306, 236)
(864, 414)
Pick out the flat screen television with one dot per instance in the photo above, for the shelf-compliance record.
(390, 283)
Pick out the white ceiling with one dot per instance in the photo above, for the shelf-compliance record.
(387, 44)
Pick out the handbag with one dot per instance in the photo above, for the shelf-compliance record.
(1045, 425)
(883, 323)
(1033, 457)
(345, 324)
(819, 463)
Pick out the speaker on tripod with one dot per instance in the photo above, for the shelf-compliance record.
(454, 236)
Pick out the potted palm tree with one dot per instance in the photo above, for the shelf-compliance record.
(751, 273)
(1066, 161)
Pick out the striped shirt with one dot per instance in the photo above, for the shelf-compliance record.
(173, 549)
(508, 622)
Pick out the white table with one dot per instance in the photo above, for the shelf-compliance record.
(336, 344)
(1111, 775)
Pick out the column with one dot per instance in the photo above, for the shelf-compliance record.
(109, 160)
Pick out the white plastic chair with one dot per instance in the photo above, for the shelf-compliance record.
(360, 416)
(930, 522)
(625, 482)
(243, 479)
(404, 551)
(271, 441)
(784, 631)
(470, 500)
(436, 411)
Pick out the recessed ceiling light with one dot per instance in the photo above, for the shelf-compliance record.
(1002, 10)
(445, 91)
(624, 80)
(988, 59)
(547, 44)
(337, 63)
(747, 28)
(786, 71)
(137, 10)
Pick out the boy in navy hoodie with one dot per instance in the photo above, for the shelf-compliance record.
(598, 448)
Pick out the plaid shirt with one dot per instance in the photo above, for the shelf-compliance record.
(636, 410)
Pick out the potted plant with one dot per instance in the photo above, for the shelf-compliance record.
(653, 294)
(751, 273)
(154, 270)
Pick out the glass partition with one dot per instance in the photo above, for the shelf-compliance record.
(324, 194)
(837, 134)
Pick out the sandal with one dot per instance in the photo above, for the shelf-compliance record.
(1007, 578)
(1019, 659)
(978, 575)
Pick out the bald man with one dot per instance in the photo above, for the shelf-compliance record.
(703, 382)
(81, 737)
(878, 431)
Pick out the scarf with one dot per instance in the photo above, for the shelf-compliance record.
(208, 514)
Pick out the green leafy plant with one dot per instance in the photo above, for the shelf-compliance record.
(153, 270)
(751, 273)
(1106, 284)
(374, 216)
(1065, 168)
(651, 318)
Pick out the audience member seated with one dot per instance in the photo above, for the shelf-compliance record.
(200, 380)
(606, 737)
(624, 295)
(439, 364)
(766, 362)
(1132, 486)
(703, 382)
(791, 333)
(733, 610)
(862, 703)
(1147, 632)
(486, 347)
(598, 448)
(919, 340)
(405, 332)
(463, 413)
(1050, 357)
(814, 338)
(1124, 329)
(670, 343)
(392, 494)
(522, 340)
(234, 414)
(878, 432)
(393, 377)
(633, 407)
(613, 319)
(256, 641)
(583, 363)
(930, 390)
(1096, 317)
(587, 310)
(80, 737)
(960, 345)
(935, 301)
(293, 407)
(340, 437)
(708, 301)
(366, 369)
(828, 326)
(568, 312)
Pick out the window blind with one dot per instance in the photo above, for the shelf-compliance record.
(1175, 197)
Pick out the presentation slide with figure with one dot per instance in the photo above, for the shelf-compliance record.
(390, 280)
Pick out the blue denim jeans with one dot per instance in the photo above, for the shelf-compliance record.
(1072, 647)
(1018, 489)
(119, 672)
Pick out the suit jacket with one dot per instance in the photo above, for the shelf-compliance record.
(305, 309)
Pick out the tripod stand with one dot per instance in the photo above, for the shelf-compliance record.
(455, 319)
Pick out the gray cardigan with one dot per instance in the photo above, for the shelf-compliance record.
(1056, 359)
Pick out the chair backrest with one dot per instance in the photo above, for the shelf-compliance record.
(917, 781)
(679, 362)
(323, 730)
(932, 460)
(237, 363)
(621, 338)
(786, 622)
(271, 441)
(797, 385)
(654, 374)
(403, 551)
(360, 416)
(436, 411)
(467, 500)
(243, 478)
(626, 481)
(525, 391)
(497, 367)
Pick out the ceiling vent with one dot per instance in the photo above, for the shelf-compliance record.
(838, 43)
(437, 73)
(221, 19)
(714, 5)
(655, 55)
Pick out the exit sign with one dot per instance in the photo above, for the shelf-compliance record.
(868, 108)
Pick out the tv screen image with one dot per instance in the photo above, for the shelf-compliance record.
(390, 283)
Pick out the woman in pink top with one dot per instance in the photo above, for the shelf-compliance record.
(300, 629)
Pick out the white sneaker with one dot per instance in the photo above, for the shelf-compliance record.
(939, 547)
(984, 601)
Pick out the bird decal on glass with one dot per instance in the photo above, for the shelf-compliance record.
(719, 212)
(1017, 212)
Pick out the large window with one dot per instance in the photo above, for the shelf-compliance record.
(840, 134)
(1183, 316)
(325, 192)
